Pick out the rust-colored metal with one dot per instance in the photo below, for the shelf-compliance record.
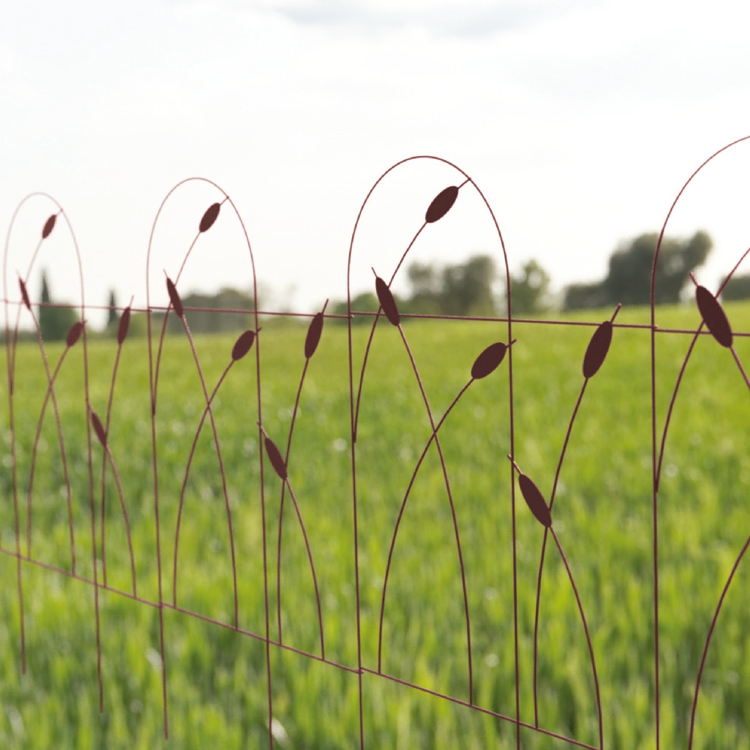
(377, 658)
(314, 332)
(243, 345)
(534, 499)
(597, 349)
(24, 294)
(123, 325)
(714, 316)
(489, 360)
(74, 333)
(387, 301)
(212, 213)
(276, 459)
(49, 225)
(441, 204)
(99, 430)
(174, 297)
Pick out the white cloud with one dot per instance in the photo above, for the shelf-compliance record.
(443, 17)
(7, 60)
(639, 51)
(13, 81)
(579, 123)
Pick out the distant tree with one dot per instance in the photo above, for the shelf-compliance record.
(629, 277)
(205, 320)
(54, 321)
(46, 297)
(113, 317)
(467, 287)
(426, 289)
(364, 302)
(738, 287)
(530, 290)
(227, 310)
(423, 279)
(461, 289)
(584, 296)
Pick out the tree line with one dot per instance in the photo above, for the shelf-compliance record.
(227, 310)
(628, 280)
(473, 288)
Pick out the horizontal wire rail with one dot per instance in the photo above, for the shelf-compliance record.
(281, 503)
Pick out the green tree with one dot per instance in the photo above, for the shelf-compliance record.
(738, 287)
(364, 302)
(467, 287)
(461, 289)
(426, 289)
(113, 316)
(629, 276)
(54, 320)
(530, 291)
(46, 298)
(225, 311)
(584, 296)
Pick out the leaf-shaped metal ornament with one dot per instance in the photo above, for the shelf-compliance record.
(489, 360)
(274, 456)
(24, 294)
(714, 316)
(212, 213)
(123, 325)
(243, 345)
(49, 225)
(597, 349)
(175, 297)
(535, 500)
(74, 333)
(441, 204)
(98, 428)
(314, 332)
(385, 297)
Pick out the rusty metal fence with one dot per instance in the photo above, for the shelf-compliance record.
(92, 476)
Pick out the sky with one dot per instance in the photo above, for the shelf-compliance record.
(578, 120)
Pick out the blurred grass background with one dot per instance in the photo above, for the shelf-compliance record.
(217, 686)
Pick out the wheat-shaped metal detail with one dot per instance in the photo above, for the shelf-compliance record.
(279, 471)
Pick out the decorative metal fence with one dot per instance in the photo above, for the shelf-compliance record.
(346, 564)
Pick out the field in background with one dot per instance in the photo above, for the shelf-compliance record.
(217, 682)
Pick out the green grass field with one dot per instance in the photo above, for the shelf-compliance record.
(217, 678)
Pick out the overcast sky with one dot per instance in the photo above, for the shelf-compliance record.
(579, 120)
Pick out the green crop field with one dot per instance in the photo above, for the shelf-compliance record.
(217, 677)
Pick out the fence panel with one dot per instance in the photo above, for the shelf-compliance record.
(372, 529)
